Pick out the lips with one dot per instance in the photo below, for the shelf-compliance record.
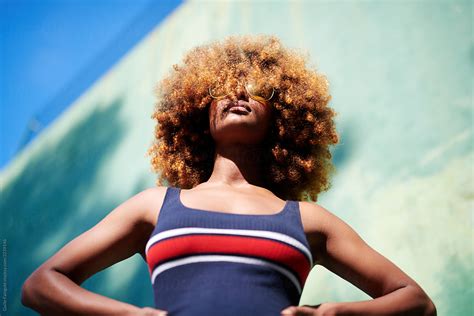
(239, 109)
(238, 106)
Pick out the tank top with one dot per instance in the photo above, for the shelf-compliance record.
(204, 262)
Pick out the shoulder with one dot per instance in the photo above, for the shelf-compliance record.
(151, 199)
(319, 225)
(146, 205)
(318, 219)
(313, 216)
(138, 208)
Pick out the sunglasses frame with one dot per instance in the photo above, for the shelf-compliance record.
(255, 97)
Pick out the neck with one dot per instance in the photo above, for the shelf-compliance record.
(238, 165)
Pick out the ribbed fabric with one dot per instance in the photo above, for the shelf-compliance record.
(204, 262)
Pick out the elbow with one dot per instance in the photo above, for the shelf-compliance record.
(30, 288)
(422, 303)
(27, 290)
(430, 309)
(426, 305)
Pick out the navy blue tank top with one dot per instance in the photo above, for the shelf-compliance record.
(204, 262)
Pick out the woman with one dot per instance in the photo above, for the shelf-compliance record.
(244, 127)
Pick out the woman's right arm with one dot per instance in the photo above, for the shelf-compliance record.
(54, 287)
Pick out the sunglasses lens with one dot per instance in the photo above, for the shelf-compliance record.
(259, 90)
(218, 92)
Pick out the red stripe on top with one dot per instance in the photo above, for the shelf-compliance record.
(224, 244)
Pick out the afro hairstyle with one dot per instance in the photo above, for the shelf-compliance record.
(298, 164)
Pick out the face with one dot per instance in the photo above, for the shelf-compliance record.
(237, 118)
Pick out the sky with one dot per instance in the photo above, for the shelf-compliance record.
(53, 50)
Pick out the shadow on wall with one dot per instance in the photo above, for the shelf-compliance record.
(457, 284)
(40, 206)
(346, 147)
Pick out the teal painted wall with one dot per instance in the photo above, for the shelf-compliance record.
(401, 80)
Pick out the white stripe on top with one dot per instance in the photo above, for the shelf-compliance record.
(243, 232)
(212, 258)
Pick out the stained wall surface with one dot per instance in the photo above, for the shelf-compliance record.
(401, 79)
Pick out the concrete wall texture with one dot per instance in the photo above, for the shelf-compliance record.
(401, 81)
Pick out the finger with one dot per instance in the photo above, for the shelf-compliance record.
(149, 311)
(289, 311)
(313, 306)
(304, 311)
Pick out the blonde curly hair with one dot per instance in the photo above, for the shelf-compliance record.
(298, 161)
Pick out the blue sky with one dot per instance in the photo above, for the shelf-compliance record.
(53, 50)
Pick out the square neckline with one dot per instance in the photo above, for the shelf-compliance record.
(279, 213)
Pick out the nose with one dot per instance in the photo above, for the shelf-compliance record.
(239, 93)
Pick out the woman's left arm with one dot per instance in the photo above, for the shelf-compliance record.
(337, 247)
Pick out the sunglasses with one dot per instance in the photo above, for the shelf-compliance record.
(259, 91)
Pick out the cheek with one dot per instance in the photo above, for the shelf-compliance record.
(264, 111)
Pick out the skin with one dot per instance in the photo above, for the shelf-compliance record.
(54, 288)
